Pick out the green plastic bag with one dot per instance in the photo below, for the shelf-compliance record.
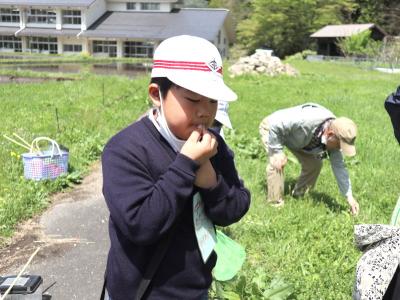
(395, 220)
(230, 257)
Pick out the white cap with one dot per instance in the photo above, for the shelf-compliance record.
(222, 114)
(194, 64)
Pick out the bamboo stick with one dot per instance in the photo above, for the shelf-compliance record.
(15, 142)
(19, 274)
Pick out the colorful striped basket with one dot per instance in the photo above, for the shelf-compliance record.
(48, 164)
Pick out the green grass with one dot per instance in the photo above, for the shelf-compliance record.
(308, 243)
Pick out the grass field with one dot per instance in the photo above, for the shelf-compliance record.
(308, 243)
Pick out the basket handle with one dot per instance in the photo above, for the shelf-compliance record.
(35, 143)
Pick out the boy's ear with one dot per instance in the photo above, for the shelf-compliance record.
(154, 94)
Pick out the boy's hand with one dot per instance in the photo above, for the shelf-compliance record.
(200, 146)
(206, 177)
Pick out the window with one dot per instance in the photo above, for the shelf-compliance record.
(109, 47)
(43, 44)
(138, 49)
(130, 5)
(72, 48)
(41, 16)
(9, 15)
(150, 6)
(11, 42)
(72, 17)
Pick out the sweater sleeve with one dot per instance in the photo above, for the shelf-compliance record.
(340, 171)
(229, 200)
(142, 208)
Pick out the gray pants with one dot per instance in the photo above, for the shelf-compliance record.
(310, 169)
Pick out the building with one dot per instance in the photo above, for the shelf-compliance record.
(113, 28)
(328, 36)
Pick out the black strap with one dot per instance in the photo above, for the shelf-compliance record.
(154, 264)
(103, 290)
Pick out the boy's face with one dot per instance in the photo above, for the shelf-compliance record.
(185, 110)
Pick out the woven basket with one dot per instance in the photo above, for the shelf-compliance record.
(48, 164)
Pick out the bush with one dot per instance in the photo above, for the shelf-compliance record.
(300, 55)
(360, 44)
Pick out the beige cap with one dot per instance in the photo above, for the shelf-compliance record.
(346, 130)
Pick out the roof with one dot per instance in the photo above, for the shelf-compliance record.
(204, 23)
(69, 3)
(343, 30)
(8, 30)
(32, 31)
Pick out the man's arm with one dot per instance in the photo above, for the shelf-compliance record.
(343, 179)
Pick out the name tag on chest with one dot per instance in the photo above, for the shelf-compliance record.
(204, 228)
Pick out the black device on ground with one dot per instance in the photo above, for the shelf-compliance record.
(26, 284)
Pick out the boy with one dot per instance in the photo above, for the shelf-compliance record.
(156, 168)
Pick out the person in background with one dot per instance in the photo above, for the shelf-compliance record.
(222, 118)
(312, 133)
(392, 106)
(167, 180)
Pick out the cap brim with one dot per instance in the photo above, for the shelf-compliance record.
(347, 149)
(212, 87)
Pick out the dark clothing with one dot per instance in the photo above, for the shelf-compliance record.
(393, 291)
(392, 106)
(148, 188)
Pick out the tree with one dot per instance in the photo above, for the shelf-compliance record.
(360, 44)
(385, 13)
(239, 9)
(285, 25)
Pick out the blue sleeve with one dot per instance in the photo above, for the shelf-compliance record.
(143, 208)
(229, 200)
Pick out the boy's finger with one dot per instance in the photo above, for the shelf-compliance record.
(195, 136)
(214, 143)
(206, 138)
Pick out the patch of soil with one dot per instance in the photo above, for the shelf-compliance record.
(27, 239)
(17, 79)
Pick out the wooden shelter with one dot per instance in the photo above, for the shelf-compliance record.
(328, 36)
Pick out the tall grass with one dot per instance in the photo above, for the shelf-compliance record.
(308, 243)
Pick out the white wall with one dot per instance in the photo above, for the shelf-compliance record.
(91, 14)
(223, 43)
(69, 41)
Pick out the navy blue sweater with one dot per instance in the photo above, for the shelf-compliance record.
(148, 188)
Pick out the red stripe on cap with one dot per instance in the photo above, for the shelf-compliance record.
(178, 62)
(183, 65)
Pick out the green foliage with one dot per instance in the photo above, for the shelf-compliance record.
(381, 12)
(285, 25)
(361, 45)
(254, 287)
(300, 55)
